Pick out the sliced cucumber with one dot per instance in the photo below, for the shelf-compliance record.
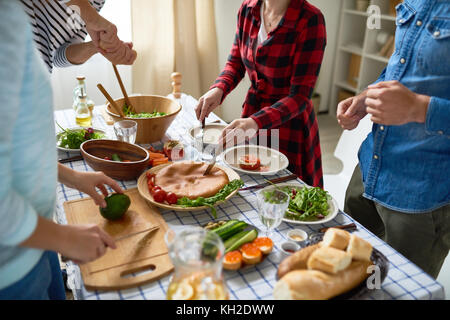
(246, 237)
(230, 228)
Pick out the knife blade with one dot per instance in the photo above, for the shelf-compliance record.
(136, 233)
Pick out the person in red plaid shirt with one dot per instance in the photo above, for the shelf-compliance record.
(280, 43)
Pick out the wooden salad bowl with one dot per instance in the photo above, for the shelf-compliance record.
(149, 130)
(94, 152)
(144, 192)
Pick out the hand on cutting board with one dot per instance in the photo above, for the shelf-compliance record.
(391, 103)
(87, 182)
(85, 243)
(208, 102)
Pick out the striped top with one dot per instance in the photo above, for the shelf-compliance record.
(55, 26)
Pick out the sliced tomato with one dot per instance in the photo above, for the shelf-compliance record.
(249, 162)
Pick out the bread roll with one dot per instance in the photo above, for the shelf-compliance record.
(329, 260)
(359, 249)
(336, 238)
(296, 261)
(317, 285)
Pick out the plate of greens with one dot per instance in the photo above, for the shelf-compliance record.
(308, 205)
(70, 139)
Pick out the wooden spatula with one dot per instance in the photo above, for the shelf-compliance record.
(122, 87)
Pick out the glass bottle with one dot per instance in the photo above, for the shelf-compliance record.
(83, 116)
(76, 93)
(197, 257)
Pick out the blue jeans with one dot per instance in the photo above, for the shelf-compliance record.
(43, 282)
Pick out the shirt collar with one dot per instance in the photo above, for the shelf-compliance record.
(291, 16)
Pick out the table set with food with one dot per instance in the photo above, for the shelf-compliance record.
(246, 230)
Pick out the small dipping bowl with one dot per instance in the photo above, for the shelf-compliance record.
(298, 236)
(288, 248)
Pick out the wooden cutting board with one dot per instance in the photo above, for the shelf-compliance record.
(143, 252)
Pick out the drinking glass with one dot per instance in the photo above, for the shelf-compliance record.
(272, 205)
(126, 130)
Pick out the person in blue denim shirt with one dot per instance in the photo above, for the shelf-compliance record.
(401, 188)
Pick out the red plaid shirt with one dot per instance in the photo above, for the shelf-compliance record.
(283, 77)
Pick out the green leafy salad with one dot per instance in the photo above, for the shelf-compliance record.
(307, 204)
(73, 138)
(131, 114)
(209, 202)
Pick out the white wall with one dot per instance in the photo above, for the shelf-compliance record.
(226, 23)
(97, 69)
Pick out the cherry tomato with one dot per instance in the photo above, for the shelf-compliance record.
(154, 189)
(107, 158)
(171, 198)
(159, 196)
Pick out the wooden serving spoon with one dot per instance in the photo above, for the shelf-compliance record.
(122, 87)
(111, 100)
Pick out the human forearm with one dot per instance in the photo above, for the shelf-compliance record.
(47, 236)
(79, 53)
(87, 12)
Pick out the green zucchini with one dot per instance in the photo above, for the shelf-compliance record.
(230, 228)
(245, 237)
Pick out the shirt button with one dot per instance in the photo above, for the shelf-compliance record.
(382, 128)
(375, 157)
(402, 61)
(419, 23)
(401, 20)
(437, 33)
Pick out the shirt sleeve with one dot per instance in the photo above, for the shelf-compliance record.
(234, 70)
(438, 117)
(18, 218)
(307, 62)
(60, 59)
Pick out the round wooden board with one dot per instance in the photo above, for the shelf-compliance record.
(143, 189)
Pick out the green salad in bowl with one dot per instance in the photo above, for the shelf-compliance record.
(308, 205)
(70, 139)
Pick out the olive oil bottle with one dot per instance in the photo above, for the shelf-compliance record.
(83, 115)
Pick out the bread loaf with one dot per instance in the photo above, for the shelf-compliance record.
(329, 260)
(296, 261)
(336, 238)
(359, 248)
(317, 285)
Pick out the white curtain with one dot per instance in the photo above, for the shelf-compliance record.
(97, 69)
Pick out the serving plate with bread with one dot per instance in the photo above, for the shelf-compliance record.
(333, 266)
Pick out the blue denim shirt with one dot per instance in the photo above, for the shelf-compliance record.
(407, 168)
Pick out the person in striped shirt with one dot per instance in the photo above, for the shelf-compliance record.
(60, 28)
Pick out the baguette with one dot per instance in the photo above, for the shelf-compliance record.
(359, 249)
(336, 238)
(329, 260)
(317, 285)
(297, 260)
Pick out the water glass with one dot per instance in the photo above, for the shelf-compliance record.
(272, 205)
(126, 130)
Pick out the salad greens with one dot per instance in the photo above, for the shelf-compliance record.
(210, 201)
(130, 114)
(73, 138)
(307, 204)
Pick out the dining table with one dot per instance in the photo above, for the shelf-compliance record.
(404, 280)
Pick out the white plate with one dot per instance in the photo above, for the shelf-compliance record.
(274, 160)
(211, 132)
(76, 128)
(332, 211)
